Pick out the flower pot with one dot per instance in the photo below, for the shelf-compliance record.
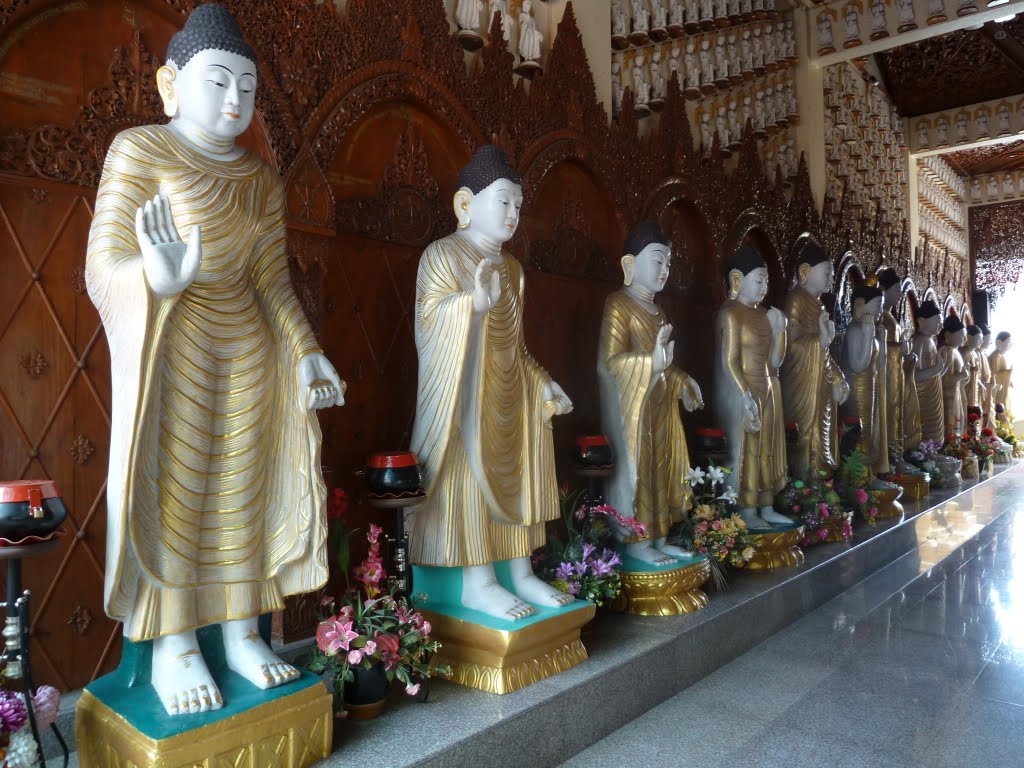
(366, 696)
(708, 440)
(969, 468)
(30, 508)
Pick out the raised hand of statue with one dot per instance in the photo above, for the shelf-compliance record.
(560, 402)
(826, 329)
(486, 286)
(691, 395)
(909, 361)
(322, 383)
(777, 320)
(906, 347)
(751, 413)
(170, 265)
(664, 350)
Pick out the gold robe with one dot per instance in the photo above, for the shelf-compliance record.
(929, 393)
(895, 399)
(954, 410)
(867, 403)
(641, 417)
(215, 499)
(482, 431)
(808, 374)
(745, 335)
(911, 409)
(1001, 381)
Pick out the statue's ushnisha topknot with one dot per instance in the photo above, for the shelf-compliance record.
(209, 26)
(746, 259)
(489, 164)
(812, 255)
(928, 309)
(643, 234)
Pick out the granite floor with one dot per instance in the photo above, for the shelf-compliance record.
(894, 672)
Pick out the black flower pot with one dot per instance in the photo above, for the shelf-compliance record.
(594, 452)
(366, 696)
(394, 474)
(709, 440)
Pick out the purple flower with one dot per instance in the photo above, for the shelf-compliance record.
(588, 550)
(573, 588)
(600, 568)
(565, 571)
(581, 568)
(611, 557)
(12, 712)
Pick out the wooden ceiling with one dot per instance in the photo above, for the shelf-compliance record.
(954, 70)
(994, 158)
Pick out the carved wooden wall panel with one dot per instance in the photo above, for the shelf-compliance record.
(368, 119)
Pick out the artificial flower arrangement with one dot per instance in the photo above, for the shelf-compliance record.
(923, 457)
(372, 625)
(852, 481)
(586, 564)
(816, 505)
(713, 528)
(18, 748)
(956, 446)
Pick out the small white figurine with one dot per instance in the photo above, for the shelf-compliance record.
(878, 29)
(530, 38)
(906, 9)
(961, 126)
(692, 70)
(825, 43)
(851, 22)
(981, 123)
(501, 7)
(1003, 117)
(976, 190)
(922, 133)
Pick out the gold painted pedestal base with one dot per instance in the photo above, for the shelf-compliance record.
(502, 661)
(777, 549)
(664, 593)
(836, 528)
(291, 732)
(886, 501)
(915, 487)
(1001, 458)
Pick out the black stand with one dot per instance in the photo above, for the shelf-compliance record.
(16, 655)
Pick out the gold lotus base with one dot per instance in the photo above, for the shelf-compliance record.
(502, 661)
(915, 487)
(291, 732)
(664, 593)
(1018, 451)
(835, 526)
(775, 550)
(1001, 458)
(886, 501)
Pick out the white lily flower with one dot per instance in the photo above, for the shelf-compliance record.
(716, 474)
(694, 475)
(728, 495)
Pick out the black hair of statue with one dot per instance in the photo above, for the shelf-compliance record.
(209, 26)
(746, 259)
(952, 324)
(489, 164)
(812, 255)
(928, 309)
(973, 330)
(1002, 336)
(866, 293)
(887, 278)
(643, 234)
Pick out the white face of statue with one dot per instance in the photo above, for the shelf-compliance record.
(819, 278)
(986, 341)
(891, 295)
(867, 311)
(1004, 346)
(494, 210)
(754, 286)
(651, 267)
(974, 342)
(216, 92)
(929, 326)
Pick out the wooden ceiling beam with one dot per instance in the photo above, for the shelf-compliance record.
(1005, 42)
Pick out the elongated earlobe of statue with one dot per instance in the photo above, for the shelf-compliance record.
(735, 279)
(628, 268)
(802, 272)
(165, 85)
(460, 203)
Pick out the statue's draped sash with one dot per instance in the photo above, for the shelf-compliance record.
(640, 414)
(929, 392)
(482, 431)
(214, 495)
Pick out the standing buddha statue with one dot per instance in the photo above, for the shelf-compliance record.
(974, 390)
(750, 345)
(955, 375)
(215, 500)
(903, 413)
(483, 405)
(640, 394)
(1002, 373)
(928, 375)
(812, 384)
(864, 361)
(985, 377)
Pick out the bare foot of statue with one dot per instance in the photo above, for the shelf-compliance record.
(482, 592)
(250, 657)
(772, 517)
(752, 519)
(533, 590)
(678, 553)
(180, 676)
(645, 552)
